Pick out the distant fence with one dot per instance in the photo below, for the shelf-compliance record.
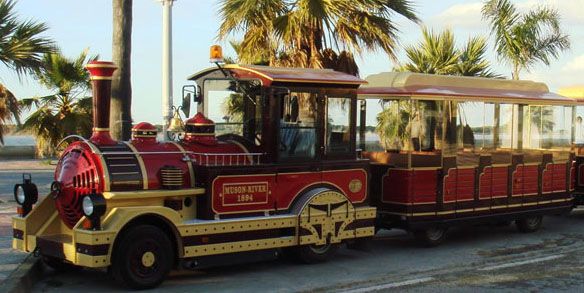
(17, 152)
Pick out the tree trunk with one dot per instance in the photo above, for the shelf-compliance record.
(515, 71)
(121, 103)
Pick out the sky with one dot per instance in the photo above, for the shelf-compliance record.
(76, 25)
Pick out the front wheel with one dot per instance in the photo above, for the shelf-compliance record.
(431, 237)
(529, 224)
(143, 258)
(315, 253)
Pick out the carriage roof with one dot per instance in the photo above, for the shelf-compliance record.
(269, 75)
(407, 84)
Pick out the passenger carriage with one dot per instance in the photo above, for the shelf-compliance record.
(577, 93)
(464, 150)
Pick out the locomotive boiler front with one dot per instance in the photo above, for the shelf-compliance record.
(80, 170)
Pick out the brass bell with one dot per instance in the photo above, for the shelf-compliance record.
(176, 124)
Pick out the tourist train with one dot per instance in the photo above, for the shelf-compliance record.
(301, 161)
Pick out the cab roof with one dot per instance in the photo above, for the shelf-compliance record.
(407, 84)
(269, 75)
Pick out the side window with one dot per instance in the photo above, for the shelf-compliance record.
(338, 125)
(298, 126)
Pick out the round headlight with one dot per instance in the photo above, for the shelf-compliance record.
(87, 206)
(19, 195)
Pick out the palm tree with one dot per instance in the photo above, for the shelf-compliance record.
(65, 112)
(121, 103)
(436, 53)
(523, 40)
(298, 33)
(21, 50)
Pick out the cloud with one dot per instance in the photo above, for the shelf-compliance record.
(575, 65)
(466, 15)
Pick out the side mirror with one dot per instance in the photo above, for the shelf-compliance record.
(186, 105)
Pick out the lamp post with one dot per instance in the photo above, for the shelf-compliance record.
(166, 64)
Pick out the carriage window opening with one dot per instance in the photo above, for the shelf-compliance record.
(235, 108)
(298, 126)
(471, 132)
(578, 131)
(338, 124)
(393, 125)
(506, 128)
(426, 125)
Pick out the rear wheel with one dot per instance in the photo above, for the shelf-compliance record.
(431, 237)
(529, 224)
(143, 258)
(315, 253)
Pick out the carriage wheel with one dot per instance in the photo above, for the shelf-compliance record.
(143, 258)
(315, 253)
(529, 224)
(431, 237)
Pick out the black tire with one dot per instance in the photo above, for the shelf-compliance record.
(310, 254)
(143, 257)
(431, 237)
(529, 224)
(58, 265)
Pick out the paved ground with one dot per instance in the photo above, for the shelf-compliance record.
(11, 173)
(9, 258)
(481, 258)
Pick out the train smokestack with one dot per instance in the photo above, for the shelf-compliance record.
(101, 79)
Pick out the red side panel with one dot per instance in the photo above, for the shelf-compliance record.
(465, 184)
(581, 175)
(237, 194)
(547, 179)
(500, 175)
(572, 175)
(291, 184)
(424, 186)
(486, 183)
(559, 178)
(343, 179)
(396, 186)
(517, 188)
(450, 185)
(531, 179)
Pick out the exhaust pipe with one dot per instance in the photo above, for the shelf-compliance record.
(101, 73)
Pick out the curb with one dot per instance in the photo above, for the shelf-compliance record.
(24, 277)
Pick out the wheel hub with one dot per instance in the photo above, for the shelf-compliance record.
(148, 259)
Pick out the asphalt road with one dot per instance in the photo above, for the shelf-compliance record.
(477, 259)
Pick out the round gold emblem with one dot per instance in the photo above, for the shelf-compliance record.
(355, 185)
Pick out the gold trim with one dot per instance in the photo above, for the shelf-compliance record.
(101, 65)
(482, 209)
(106, 175)
(200, 134)
(464, 210)
(200, 124)
(141, 164)
(100, 129)
(144, 136)
(189, 163)
(446, 212)
(119, 195)
(97, 77)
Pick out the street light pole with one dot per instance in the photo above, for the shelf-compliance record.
(166, 64)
